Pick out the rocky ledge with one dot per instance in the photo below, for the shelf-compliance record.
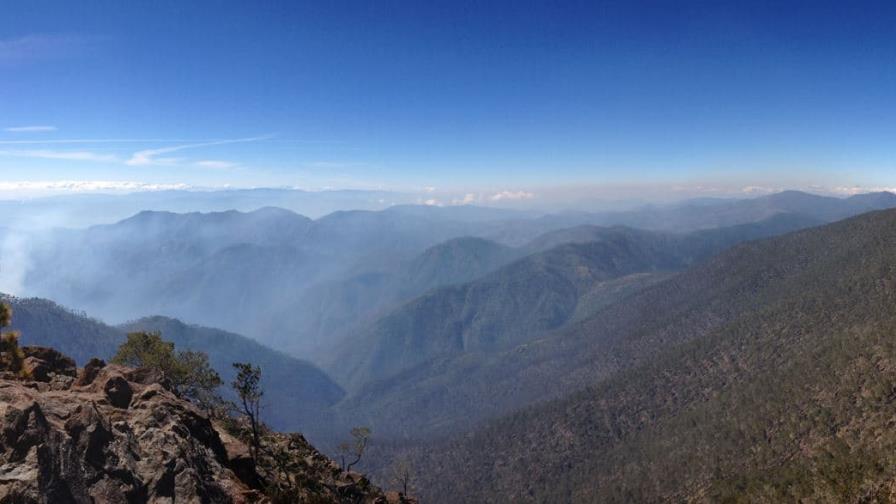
(112, 434)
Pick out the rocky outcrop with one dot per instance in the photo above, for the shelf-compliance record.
(112, 434)
(43, 364)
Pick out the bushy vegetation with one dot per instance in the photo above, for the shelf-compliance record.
(188, 371)
(12, 358)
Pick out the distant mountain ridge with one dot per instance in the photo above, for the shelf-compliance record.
(538, 293)
(305, 285)
(691, 217)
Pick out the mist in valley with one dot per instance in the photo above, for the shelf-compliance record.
(417, 252)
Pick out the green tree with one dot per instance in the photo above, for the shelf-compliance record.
(248, 388)
(5, 315)
(11, 356)
(199, 382)
(148, 350)
(189, 372)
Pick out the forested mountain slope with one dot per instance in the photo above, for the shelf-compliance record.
(340, 309)
(541, 292)
(766, 375)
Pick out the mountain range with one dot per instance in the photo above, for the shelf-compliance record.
(708, 351)
(304, 285)
(763, 375)
(538, 293)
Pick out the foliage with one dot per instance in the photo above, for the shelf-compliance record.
(199, 381)
(5, 315)
(11, 356)
(147, 350)
(189, 372)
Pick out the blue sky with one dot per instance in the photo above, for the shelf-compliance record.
(507, 96)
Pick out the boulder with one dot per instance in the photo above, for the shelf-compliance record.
(90, 371)
(43, 363)
(149, 376)
(118, 391)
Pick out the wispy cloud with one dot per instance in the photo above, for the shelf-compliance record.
(152, 156)
(41, 46)
(215, 165)
(64, 155)
(89, 141)
(29, 129)
(145, 157)
(87, 186)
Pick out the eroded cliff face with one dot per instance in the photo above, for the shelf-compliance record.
(111, 434)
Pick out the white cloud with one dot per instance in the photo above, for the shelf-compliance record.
(466, 200)
(214, 164)
(759, 190)
(853, 190)
(65, 155)
(151, 156)
(511, 195)
(29, 129)
(432, 202)
(86, 186)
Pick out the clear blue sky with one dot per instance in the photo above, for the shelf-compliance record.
(506, 95)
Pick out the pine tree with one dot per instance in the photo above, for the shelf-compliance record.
(11, 356)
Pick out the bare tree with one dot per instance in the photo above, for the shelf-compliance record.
(355, 448)
(403, 475)
(248, 389)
